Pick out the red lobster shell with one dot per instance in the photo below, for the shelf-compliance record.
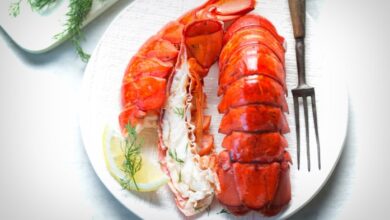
(253, 168)
(144, 83)
(163, 88)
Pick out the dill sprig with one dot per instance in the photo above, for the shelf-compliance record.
(180, 177)
(173, 155)
(38, 5)
(78, 11)
(133, 160)
(179, 112)
(223, 211)
(14, 8)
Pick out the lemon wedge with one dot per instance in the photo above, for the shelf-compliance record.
(148, 178)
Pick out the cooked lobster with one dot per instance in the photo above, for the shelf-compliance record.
(163, 88)
(253, 168)
(144, 85)
(186, 147)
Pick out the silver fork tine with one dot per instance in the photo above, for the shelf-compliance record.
(298, 17)
(307, 131)
(314, 108)
(296, 111)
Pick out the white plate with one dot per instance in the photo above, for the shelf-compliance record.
(101, 95)
(35, 31)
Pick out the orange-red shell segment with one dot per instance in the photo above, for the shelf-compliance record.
(158, 56)
(253, 168)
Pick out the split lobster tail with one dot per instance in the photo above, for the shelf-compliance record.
(144, 84)
(253, 169)
(162, 88)
(186, 147)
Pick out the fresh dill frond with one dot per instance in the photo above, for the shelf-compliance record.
(14, 8)
(78, 11)
(173, 155)
(133, 160)
(179, 112)
(79, 50)
(180, 176)
(224, 211)
(38, 5)
(125, 183)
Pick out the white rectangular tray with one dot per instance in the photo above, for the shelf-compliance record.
(34, 31)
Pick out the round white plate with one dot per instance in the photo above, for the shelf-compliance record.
(101, 94)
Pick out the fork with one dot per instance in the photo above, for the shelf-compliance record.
(303, 90)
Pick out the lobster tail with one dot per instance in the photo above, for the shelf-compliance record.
(186, 147)
(253, 170)
(156, 59)
(144, 83)
(252, 21)
(163, 88)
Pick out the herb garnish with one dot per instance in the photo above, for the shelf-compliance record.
(78, 11)
(179, 112)
(36, 5)
(133, 160)
(180, 176)
(173, 155)
(224, 211)
(14, 8)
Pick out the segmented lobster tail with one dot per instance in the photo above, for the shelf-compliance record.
(163, 88)
(253, 168)
(144, 84)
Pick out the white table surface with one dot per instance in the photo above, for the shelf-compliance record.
(45, 172)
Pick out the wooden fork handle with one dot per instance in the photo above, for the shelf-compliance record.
(298, 12)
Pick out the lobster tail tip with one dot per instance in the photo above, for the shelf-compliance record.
(228, 10)
(203, 39)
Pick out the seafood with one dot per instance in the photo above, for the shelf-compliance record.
(144, 83)
(163, 88)
(186, 147)
(253, 168)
